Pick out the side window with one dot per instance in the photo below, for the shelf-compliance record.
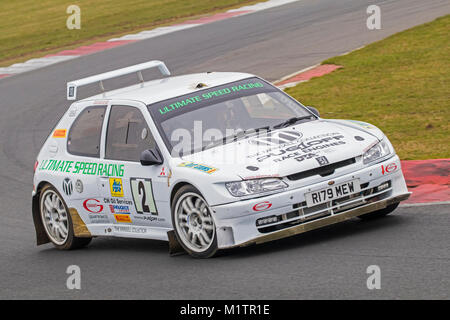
(128, 134)
(85, 134)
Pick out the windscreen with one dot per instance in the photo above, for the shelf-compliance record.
(204, 119)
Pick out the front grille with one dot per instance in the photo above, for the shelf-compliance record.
(302, 214)
(322, 171)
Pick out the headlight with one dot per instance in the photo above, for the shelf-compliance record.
(248, 187)
(380, 150)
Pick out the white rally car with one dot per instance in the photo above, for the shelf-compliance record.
(207, 161)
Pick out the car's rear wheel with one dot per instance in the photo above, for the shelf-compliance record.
(379, 213)
(57, 222)
(193, 223)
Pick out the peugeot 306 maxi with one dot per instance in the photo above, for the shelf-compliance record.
(206, 161)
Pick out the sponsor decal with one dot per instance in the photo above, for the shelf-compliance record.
(149, 218)
(116, 187)
(95, 210)
(117, 208)
(389, 168)
(139, 230)
(300, 158)
(122, 218)
(79, 186)
(262, 206)
(142, 191)
(208, 95)
(197, 166)
(84, 168)
(163, 172)
(67, 186)
(322, 135)
(117, 201)
(99, 218)
(303, 150)
(180, 104)
(92, 206)
(316, 137)
(60, 133)
(322, 161)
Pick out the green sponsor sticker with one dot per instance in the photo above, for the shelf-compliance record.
(208, 95)
(85, 168)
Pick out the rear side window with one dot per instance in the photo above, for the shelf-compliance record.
(85, 134)
(128, 134)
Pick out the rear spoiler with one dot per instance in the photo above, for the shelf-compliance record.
(73, 85)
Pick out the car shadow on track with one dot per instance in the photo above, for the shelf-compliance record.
(351, 228)
(118, 245)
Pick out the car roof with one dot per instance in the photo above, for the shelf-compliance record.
(157, 90)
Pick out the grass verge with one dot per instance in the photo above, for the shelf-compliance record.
(32, 28)
(400, 84)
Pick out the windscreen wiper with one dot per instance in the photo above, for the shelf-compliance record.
(236, 136)
(291, 121)
(254, 131)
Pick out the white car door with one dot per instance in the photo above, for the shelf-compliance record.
(135, 194)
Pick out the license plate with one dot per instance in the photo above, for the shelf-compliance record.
(335, 192)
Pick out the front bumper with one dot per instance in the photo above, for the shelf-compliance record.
(236, 223)
(332, 219)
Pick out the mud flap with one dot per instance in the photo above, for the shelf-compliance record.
(175, 249)
(79, 227)
(41, 235)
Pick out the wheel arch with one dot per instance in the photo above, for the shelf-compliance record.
(179, 184)
(177, 187)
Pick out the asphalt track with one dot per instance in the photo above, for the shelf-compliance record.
(411, 247)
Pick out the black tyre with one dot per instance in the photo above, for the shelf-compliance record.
(193, 223)
(379, 213)
(57, 222)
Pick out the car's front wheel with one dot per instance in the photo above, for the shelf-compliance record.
(57, 221)
(193, 223)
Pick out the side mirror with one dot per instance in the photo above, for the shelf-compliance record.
(151, 157)
(314, 110)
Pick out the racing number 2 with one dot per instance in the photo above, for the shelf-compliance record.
(143, 196)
